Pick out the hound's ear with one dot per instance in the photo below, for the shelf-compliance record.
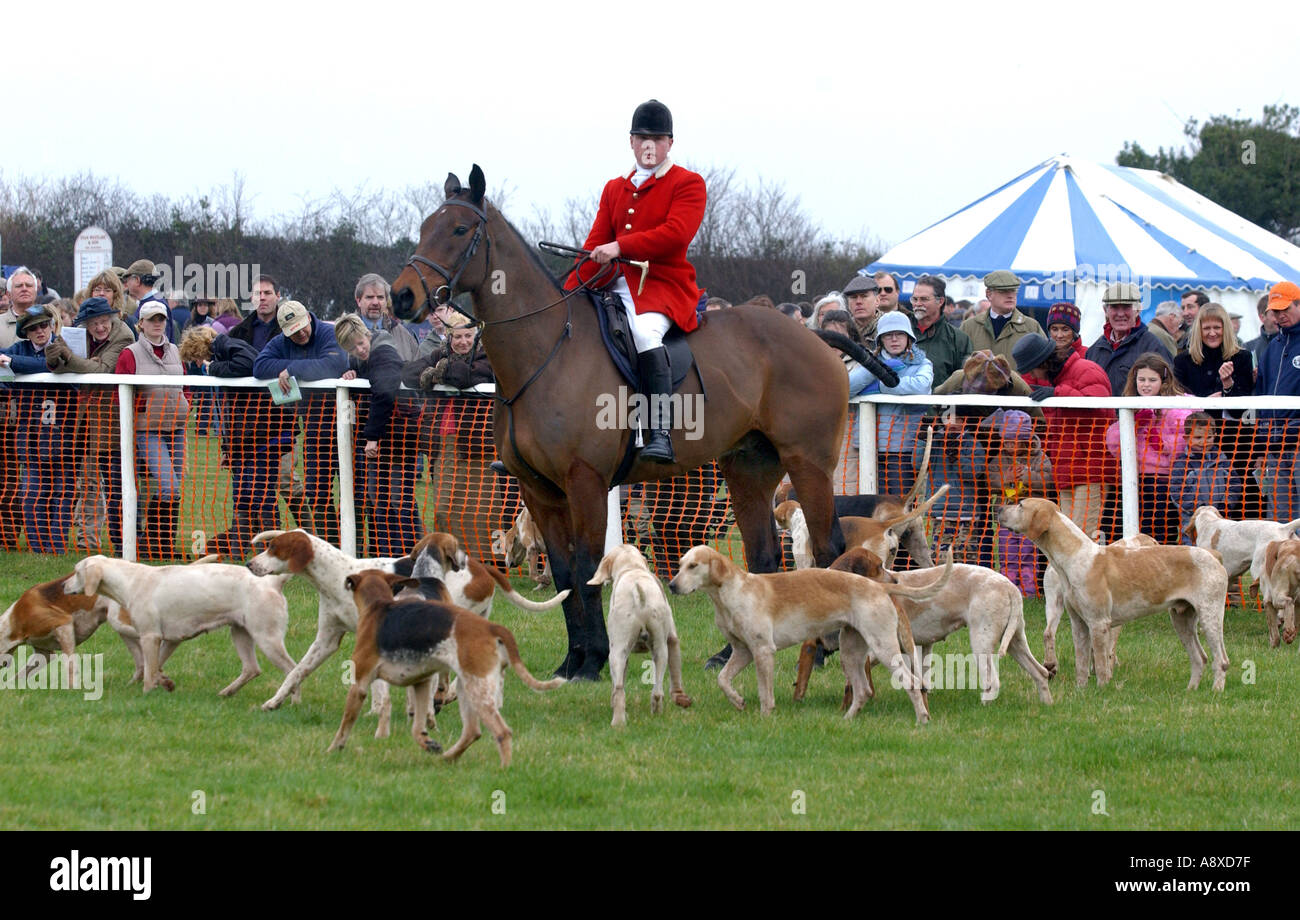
(872, 565)
(1040, 521)
(451, 187)
(398, 584)
(477, 185)
(717, 569)
(350, 583)
(93, 574)
(602, 571)
(1270, 556)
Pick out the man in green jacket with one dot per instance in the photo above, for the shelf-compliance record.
(944, 344)
(1003, 325)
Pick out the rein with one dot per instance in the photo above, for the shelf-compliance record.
(442, 295)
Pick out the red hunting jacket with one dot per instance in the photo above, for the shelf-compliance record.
(653, 223)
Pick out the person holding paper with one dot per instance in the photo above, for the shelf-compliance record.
(97, 442)
(306, 349)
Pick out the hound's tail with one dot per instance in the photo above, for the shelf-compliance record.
(919, 509)
(922, 470)
(507, 639)
(924, 592)
(518, 599)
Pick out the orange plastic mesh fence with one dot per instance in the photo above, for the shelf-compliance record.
(988, 457)
(235, 464)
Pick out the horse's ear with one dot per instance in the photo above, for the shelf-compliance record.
(452, 186)
(477, 185)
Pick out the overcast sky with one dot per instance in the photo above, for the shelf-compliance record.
(882, 118)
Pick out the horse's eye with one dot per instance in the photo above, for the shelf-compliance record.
(461, 230)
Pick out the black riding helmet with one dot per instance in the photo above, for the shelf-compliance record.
(652, 118)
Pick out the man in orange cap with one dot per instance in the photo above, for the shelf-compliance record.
(1279, 375)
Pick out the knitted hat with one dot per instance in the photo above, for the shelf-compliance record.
(1016, 426)
(1066, 313)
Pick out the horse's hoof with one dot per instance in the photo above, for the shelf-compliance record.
(586, 674)
(569, 666)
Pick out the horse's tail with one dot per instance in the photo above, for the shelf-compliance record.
(855, 351)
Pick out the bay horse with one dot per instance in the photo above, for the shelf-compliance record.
(777, 401)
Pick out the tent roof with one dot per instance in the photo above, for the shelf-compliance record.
(1066, 218)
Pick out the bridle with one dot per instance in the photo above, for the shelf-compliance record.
(442, 294)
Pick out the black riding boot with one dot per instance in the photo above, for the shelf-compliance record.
(656, 381)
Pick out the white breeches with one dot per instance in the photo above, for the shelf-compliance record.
(648, 329)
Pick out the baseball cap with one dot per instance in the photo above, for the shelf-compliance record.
(1282, 295)
(153, 308)
(293, 317)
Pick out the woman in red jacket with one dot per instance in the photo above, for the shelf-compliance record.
(651, 214)
(1076, 438)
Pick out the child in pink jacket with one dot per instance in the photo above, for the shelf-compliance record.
(1160, 439)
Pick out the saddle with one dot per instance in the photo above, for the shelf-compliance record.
(616, 332)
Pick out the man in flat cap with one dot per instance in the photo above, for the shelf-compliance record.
(1004, 325)
(862, 295)
(139, 280)
(1123, 339)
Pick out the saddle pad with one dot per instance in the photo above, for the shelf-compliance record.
(617, 335)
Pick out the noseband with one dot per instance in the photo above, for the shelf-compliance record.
(441, 295)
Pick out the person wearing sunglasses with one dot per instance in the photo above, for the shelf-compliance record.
(46, 417)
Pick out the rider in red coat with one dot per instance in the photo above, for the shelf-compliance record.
(651, 214)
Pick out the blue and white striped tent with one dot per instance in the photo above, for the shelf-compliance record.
(1068, 228)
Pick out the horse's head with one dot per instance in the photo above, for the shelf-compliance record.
(452, 254)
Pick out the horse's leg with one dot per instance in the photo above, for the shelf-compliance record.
(813, 486)
(588, 512)
(552, 519)
(751, 480)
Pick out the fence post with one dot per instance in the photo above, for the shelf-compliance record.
(347, 481)
(126, 443)
(613, 520)
(1128, 475)
(866, 448)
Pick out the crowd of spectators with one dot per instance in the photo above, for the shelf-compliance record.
(62, 458)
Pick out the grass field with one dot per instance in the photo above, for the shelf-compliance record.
(1144, 750)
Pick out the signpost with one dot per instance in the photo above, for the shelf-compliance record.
(91, 254)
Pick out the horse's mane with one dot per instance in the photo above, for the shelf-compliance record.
(530, 250)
